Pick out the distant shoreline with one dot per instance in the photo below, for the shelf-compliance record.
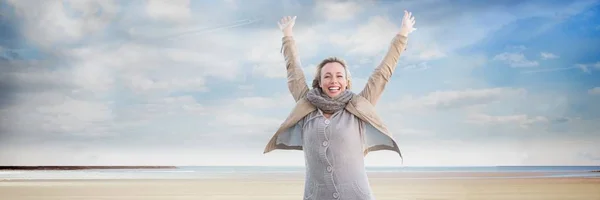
(81, 167)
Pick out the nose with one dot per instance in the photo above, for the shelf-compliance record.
(334, 80)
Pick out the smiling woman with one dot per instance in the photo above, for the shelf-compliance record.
(332, 77)
(333, 126)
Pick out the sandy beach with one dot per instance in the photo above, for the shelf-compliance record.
(387, 186)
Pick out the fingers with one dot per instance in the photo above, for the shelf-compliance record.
(286, 22)
(408, 17)
(287, 19)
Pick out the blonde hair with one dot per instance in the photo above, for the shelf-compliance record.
(317, 80)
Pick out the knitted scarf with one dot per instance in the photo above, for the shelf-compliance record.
(327, 104)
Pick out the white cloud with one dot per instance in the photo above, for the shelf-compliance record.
(453, 152)
(265, 55)
(338, 11)
(173, 115)
(246, 121)
(91, 75)
(594, 91)
(156, 95)
(521, 120)
(176, 104)
(94, 85)
(515, 60)
(53, 112)
(456, 99)
(369, 39)
(430, 54)
(250, 115)
(171, 10)
(587, 68)
(261, 102)
(140, 84)
(420, 66)
(547, 56)
(232, 4)
(51, 19)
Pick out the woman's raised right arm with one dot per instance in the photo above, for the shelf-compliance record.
(295, 76)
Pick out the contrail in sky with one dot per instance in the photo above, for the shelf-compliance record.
(175, 35)
(212, 29)
(171, 36)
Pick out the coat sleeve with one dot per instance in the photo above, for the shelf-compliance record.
(295, 76)
(381, 75)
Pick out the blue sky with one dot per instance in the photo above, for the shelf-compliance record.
(184, 82)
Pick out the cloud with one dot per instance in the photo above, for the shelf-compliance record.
(113, 82)
(111, 87)
(515, 60)
(52, 19)
(590, 155)
(261, 102)
(56, 113)
(369, 39)
(265, 53)
(140, 84)
(177, 10)
(420, 66)
(521, 120)
(594, 91)
(337, 11)
(547, 56)
(454, 99)
(587, 68)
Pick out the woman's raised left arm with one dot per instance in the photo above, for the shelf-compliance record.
(381, 75)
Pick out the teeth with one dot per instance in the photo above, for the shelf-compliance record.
(334, 88)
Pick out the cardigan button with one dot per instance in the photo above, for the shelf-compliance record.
(336, 195)
(325, 143)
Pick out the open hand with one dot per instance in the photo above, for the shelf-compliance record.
(286, 24)
(408, 21)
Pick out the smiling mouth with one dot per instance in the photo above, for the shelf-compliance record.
(334, 89)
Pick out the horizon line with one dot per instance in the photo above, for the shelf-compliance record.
(296, 166)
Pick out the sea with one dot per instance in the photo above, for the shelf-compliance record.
(202, 172)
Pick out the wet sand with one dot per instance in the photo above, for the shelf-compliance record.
(386, 186)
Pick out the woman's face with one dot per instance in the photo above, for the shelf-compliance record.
(333, 79)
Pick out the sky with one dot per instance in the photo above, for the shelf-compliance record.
(180, 82)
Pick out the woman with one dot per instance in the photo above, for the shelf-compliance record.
(333, 126)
